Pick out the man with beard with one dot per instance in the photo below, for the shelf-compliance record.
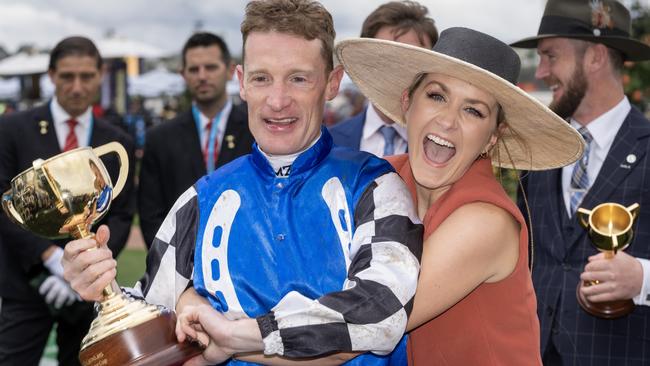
(582, 46)
(214, 132)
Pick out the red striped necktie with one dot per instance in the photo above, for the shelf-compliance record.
(206, 148)
(71, 141)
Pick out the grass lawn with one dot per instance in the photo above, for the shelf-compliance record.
(130, 266)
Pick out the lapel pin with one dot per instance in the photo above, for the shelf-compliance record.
(230, 141)
(43, 124)
(631, 159)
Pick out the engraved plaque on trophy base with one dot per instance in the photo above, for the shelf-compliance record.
(152, 343)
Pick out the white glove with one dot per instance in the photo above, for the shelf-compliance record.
(57, 292)
(53, 263)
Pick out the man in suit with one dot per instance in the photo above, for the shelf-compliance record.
(582, 46)
(371, 130)
(34, 294)
(178, 152)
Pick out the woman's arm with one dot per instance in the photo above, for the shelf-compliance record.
(190, 297)
(477, 243)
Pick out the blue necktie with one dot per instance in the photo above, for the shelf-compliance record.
(389, 136)
(579, 178)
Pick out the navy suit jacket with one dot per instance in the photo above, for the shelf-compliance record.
(562, 246)
(173, 162)
(348, 133)
(21, 142)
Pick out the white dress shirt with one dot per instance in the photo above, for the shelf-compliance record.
(221, 127)
(82, 129)
(603, 129)
(372, 140)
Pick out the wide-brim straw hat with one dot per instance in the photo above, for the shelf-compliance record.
(600, 21)
(536, 138)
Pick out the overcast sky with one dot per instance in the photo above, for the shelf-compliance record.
(167, 23)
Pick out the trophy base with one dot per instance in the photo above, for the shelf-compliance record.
(605, 309)
(148, 344)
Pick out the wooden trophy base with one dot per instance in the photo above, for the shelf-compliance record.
(148, 344)
(605, 309)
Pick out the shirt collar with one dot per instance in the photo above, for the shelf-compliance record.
(282, 163)
(305, 161)
(604, 128)
(374, 123)
(225, 114)
(60, 116)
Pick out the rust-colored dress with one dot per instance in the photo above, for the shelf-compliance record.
(496, 324)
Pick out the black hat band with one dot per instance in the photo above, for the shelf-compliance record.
(552, 24)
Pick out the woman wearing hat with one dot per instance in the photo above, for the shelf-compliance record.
(475, 303)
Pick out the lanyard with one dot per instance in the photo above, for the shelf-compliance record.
(210, 163)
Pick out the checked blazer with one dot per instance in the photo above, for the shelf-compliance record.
(562, 246)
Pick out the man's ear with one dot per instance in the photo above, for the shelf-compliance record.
(596, 57)
(231, 70)
(334, 82)
(240, 76)
(405, 101)
(103, 71)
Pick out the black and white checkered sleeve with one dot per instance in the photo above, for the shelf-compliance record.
(371, 311)
(170, 259)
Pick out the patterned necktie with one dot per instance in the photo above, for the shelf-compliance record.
(206, 149)
(389, 136)
(579, 178)
(71, 139)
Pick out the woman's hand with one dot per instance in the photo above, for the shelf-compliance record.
(209, 327)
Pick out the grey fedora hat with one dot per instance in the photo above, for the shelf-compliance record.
(600, 21)
(535, 137)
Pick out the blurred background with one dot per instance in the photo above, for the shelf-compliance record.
(141, 44)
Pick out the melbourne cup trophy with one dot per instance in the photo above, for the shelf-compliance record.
(610, 229)
(63, 197)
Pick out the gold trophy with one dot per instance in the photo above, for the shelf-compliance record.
(64, 196)
(610, 230)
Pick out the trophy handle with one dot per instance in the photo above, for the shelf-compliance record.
(583, 215)
(634, 210)
(614, 245)
(115, 147)
(8, 206)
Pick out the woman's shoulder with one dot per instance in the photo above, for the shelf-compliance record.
(487, 230)
(398, 161)
(483, 214)
(484, 222)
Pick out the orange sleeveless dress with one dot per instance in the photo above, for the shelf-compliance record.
(496, 324)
